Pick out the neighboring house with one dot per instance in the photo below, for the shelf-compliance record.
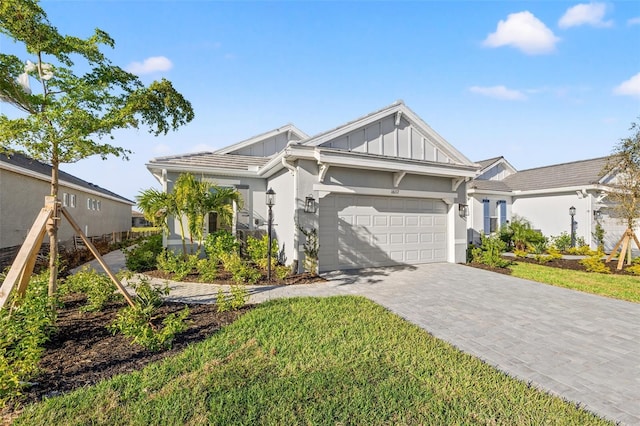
(138, 220)
(24, 183)
(543, 196)
(381, 190)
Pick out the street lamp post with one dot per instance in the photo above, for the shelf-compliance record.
(572, 213)
(270, 201)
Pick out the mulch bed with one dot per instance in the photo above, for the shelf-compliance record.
(82, 351)
(571, 264)
(225, 278)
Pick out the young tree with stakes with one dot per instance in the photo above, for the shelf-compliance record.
(624, 162)
(76, 105)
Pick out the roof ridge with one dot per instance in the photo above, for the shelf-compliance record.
(563, 164)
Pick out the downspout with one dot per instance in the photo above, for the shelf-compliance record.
(292, 169)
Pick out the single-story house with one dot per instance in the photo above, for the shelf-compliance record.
(25, 182)
(543, 196)
(383, 189)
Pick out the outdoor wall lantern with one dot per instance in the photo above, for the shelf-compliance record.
(309, 204)
(572, 213)
(597, 214)
(463, 210)
(270, 201)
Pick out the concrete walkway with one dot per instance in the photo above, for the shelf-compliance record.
(579, 346)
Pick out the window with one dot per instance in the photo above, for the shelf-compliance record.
(72, 200)
(99, 204)
(65, 199)
(94, 206)
(89, 204)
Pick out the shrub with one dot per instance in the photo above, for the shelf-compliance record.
(135, 321)
(582, 250)
(208, 270)
(257, 250)
(237, 298)
(490, 252)
(562, 242)
(598, 236)
(595, 263)
(178, 265)
(219, 243)
(282, 271)
(521, 254)
(142, 256)
(241, 272)
(554, 253)
(311, 249)
(23, 331)
(98, 288)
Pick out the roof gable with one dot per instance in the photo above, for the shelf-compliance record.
(265, 144)
(394, 131)
(497, 168)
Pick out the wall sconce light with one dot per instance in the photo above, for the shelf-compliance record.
(597, 214)
(463, 210)
(309, 204)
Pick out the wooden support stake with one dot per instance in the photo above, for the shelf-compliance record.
(99, 258)
(22, 267)
(623, 251)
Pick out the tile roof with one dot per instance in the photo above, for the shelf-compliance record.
(212, 160)
(24, 162)
(576, 173)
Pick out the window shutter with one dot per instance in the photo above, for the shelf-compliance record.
(502, 205)
(486, 217)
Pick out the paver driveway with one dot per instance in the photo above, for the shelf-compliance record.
(583, 347)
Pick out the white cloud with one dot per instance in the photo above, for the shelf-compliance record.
(585, 14)
(523, 31)
(630, 87)
(499, 92)
(150, 65)
(634, 21)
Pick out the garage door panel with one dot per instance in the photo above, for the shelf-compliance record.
(364, 231)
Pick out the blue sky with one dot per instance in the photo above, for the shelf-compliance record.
(537, 82)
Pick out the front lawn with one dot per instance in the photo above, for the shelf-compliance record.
(623, 287)
(338, 360)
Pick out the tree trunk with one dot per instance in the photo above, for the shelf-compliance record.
(52, 230)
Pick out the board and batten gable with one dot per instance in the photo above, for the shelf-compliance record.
(266, 144)
(384, 137)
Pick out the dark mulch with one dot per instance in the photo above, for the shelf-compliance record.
(83, 352)
(225, 278)
(572, 264)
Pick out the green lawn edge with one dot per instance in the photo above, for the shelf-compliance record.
(336, 360)
(623, 287)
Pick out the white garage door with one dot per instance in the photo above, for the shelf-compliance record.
(359, 231)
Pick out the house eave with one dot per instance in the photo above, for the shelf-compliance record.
(355, 160)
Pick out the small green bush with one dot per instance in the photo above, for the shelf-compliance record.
(98, 288)
(490, 252)
(582, 250)
(595, 263)
(257, 249)
(241, 271)
(520, 254)
(554, 253)
(238, 297)
(311, 249)
(135, 321)
(142, 256)
(208, 270)
(23, 331)
(562, 242)
(177, 264)
(282, 271)
(220, 243)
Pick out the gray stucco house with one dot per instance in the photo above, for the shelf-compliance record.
(383, 189)
(543, 195)
(25, 182)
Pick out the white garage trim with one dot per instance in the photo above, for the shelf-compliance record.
(325, 190)
(359, 231)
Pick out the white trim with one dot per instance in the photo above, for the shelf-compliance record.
(447, 197)
(286, 129)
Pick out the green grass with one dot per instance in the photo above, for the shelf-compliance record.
(623, 287)
(340, 360)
